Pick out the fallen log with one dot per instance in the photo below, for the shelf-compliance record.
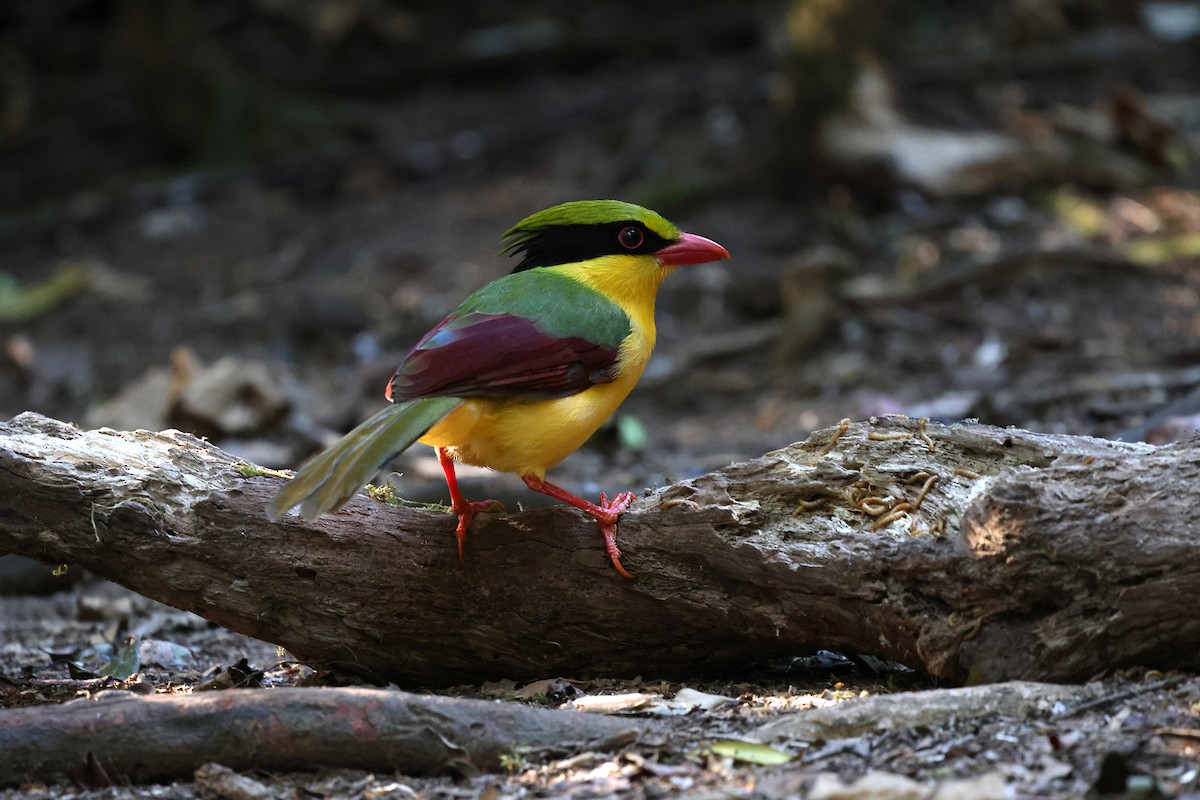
(971, 552)
(123, 737)
(932, 709)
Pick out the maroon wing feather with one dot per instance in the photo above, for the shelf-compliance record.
(499, 355)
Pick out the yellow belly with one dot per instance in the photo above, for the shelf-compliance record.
(528, 436)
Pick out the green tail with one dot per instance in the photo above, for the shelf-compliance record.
(332, 477)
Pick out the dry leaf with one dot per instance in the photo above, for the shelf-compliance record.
(750, 752)
(614, 703)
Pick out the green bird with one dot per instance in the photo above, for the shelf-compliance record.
(527, 368)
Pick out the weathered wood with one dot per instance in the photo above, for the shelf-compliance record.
(1032, 556)
(165, 737)
(929, 709)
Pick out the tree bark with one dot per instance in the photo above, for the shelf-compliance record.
(130, 738)
(968, 551)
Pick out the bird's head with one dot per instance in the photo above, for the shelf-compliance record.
(589, 229)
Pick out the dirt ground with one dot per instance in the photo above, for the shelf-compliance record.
(265, 306)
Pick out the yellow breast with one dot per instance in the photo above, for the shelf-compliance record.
(531, 436)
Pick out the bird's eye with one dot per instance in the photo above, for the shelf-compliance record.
(631, 238)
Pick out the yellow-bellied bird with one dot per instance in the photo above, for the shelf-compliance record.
(527, 368)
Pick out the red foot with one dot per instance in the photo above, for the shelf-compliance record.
(605, 513)
(608, 526)
(465, 509)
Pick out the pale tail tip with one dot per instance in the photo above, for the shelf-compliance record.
(273, 513)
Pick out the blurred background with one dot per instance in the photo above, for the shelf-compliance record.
(234, 217)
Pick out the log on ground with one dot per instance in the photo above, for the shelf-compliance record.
(130, 738)
(968, 551)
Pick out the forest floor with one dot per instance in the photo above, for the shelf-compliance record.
(265, 308)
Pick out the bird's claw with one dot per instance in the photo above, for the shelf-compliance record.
(610, 511)
(466, 512)
(605, 513)
(608, 526)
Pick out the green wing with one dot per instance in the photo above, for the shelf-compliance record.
(558, 305)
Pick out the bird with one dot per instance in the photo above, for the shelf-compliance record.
(527, 368)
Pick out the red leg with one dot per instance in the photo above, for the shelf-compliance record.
(465, 509)
(605, 514)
